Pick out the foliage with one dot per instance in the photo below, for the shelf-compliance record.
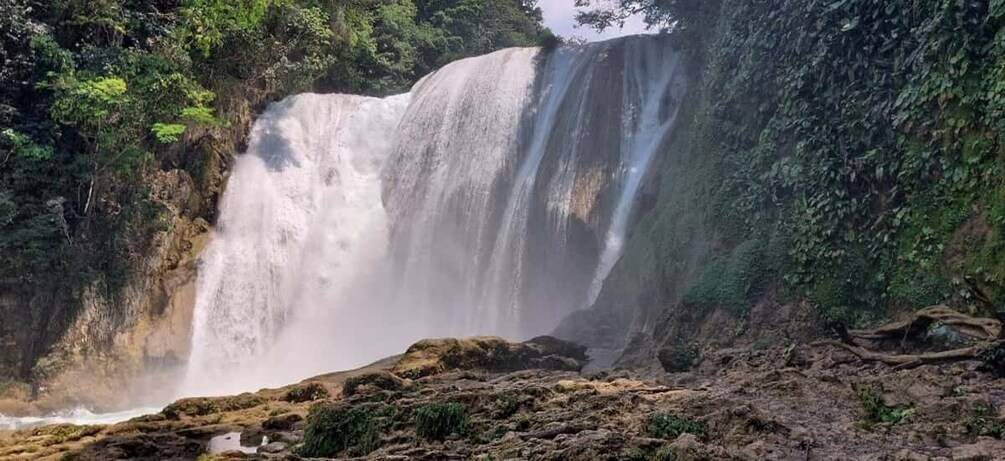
(671, 426)
(678, 358)
(858, 140)
(983, 423)
(664, 14)
(665, 454)
(21, 145)
(207, 23)
(437, 421)
(871, 397)
(338, 430)
(734, 281)
(307, 393)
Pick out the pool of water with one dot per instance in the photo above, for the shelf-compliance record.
(231, 442)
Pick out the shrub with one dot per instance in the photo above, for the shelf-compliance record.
(437, 421)
(380, 380)
(335, 430)
(307, 393)
(872, 401)
(665, 454)
(671, 426)
(679, 358)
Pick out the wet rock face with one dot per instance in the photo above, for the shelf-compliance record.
(489, 354)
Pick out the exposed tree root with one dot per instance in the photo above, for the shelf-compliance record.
(986, 333)
(913, 360)
(982, 329)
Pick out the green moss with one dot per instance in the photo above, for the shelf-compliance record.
(334, 430)
(308, 392)
(437, 421)
(202, 406)
(734, 281)
(379, 380)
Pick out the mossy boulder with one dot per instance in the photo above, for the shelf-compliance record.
(489, 354)
(306, 392)
(370, 382)
(202, 406)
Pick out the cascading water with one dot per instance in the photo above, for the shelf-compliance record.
(491, 200)
(301, 224)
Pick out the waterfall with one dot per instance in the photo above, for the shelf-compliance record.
(493, 199)
(301, 223)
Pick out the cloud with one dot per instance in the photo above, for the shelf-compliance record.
(559, 17)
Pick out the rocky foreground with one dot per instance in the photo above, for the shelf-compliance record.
(488, 399)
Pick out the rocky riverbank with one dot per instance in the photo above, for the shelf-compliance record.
(485, 398)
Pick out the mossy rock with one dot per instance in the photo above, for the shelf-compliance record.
(62, 433)
(284, 422)
(489, 354)
(307, 392)
(202, 406)
(678, 358)
(369, 382)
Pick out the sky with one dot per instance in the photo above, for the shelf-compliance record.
(559, 14)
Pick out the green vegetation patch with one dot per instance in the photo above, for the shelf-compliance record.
(202, 406)
(871, 398)
(735, 281)
(308, 392)
(678, 358)
(379, 380)
(437, 421)
(338, 430)
(671, 426)
(983, 423)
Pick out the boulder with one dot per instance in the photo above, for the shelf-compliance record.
(489, 354)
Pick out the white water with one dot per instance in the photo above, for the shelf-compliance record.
(79, 416)
(648, 112)
(497, 205)
(301, 225)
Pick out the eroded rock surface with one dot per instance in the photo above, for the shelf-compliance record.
(769, 401)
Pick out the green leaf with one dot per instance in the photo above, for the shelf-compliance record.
(201, 116)
(167, 132)
(23, 146)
